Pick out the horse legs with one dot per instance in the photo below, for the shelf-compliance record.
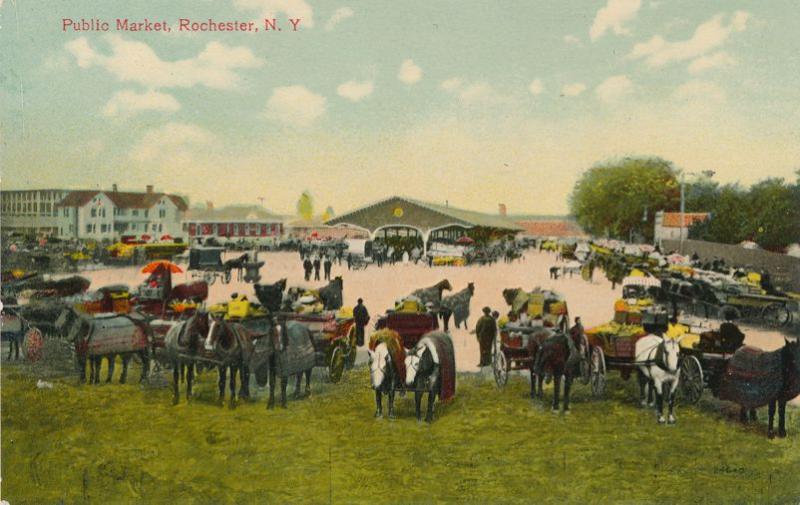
(556, 390)
(271, 401)
(189, 381)
(743, 414)
(540, 385)
(297, 383)
(81, 364)
(642, 385)
(651, 389)
(771, 417)
(96, 362)
(126, 359)
(378, 403)
(308, 382)
(112, 360)
(182, 367)
(533, 384)
(431, 400)
(244, 375)
(234, 369)
(670, 389)
(284, 382)
(223, 371)
(567, 386)
(176, 366)
(418, 404)
(391, 403)
(753, 415)
(781, 419)
(660, 402)
(145, 355)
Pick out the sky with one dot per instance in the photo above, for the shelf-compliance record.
(471, 102)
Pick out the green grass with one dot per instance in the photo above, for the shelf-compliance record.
(128, 444)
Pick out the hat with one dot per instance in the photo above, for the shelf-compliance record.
(487, 310)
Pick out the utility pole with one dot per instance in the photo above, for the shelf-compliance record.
(261, 199)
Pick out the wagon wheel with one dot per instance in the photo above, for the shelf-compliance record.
(352, 348)
(33, 343)
(690, 388)
(500, 366)
(597, 372)
(336, 364)
(776, 315)
(729, 312)
(227, 278)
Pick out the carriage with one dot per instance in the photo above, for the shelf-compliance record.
(513, 349)
(205, 263)
(410, 321)
(333, 335)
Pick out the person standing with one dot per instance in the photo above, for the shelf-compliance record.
(486, 331)
(307, 266)
(327, 267)
(361, 318)
(317, 265)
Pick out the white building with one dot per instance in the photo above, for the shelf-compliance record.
(668, 224)
(112, 214)
(31, 211)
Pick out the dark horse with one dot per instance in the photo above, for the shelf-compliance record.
(430, 367)
(282, 348)
(232, 346)
(387, 368)
(331, 295)
(754, 378)
(559, 357)
(271, 295)
(457, 305)
(106, 336)
(237, 264)
(184, 344)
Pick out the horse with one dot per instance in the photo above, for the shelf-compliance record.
(387, 368)
(658, 365)
(106, 336)
(232, 346)
(237, 264)
(433, 295)
(194, 291)
(282, 348)
(430, 367)
(183, 345)
(754, 378)
(331, 295)
(271, 295)
(458, 306)
(558, 356)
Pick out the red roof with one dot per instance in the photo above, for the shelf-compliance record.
(121, 199)
(551, 228)
(673, 219)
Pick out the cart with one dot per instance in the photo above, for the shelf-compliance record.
(333, 338)
(205, 263)
(514, 350)
(411, 326)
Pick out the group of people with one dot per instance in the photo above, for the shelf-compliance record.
(313, 266)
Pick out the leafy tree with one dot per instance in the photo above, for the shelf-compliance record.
(728, 214)
(621, 196)
(328, 214)
(305, 206)
(774, 214)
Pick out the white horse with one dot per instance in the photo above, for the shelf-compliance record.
(659, 367)
(384, 378)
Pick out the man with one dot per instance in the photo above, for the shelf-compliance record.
(486, 331)
(327, 266)
(317, 265)
(361, 318)
(307, 266)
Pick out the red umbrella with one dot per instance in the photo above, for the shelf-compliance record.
(166, 237)
(156, 265)
(465, 240)
(146, 237)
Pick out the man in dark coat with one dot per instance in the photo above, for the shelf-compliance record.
(486, 331)
(361, 317)
(308, 267)
(327, 266)
(317, 265)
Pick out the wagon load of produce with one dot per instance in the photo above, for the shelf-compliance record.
(239, 307)
(548, 305)
(41, 288)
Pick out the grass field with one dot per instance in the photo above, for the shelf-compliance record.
(128, 444)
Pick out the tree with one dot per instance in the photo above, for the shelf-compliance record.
(328, 214)
(305, 206)
(773, 214)
(728, 215)
(619, 197)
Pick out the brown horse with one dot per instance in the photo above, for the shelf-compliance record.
(183, 344)
(433, 295)
(558, 356)
(232, 348)
(754, 378)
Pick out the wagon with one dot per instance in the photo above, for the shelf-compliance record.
(512, 352)
(333, 337)
(411, 326)
(15, 327)
(206, 263)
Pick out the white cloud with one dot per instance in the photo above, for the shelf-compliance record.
(720, 59)
(172, 140)
(409, 72)
(614, 88)
(270, 8)
(127, 103)
(572, 39)
(613, 16)
(133, 61)
(536, 87)
(699, 92)
(296, 105)
(708, 36)
(474, 92)
(340, 15)
(574, 89)
(354, 90)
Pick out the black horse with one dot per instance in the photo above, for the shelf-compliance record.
(754, 378)
(271, 295)
(559, 358)
(232, 348)
(183, 344)
(430, 367)
(237, 264)
(331, 295)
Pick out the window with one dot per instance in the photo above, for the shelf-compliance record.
(94, 212)
(162, 213)
(135, 212)
(133, 226)
(88, 228)
(103, 212)
(154, 227)
(146, 212)
(160, 228)
(103, 228)
(185, 226)
(65, 212)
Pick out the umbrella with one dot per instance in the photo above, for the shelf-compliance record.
(465, 240)
(146, 237)
(166, 237)
(156, 265)
(677, 259)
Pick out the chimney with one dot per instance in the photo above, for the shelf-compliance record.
(149, 188)
(502, 208)
(114, 187)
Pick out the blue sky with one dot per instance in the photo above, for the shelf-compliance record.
(472, 102)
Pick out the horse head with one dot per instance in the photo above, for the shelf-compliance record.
(379, 363)
(419, 363)
(443, 285)
(510, 294)
(668, 354)
(471, 288)
(792, 349)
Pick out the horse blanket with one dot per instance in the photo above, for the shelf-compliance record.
(115, 334)
(459, 305)
(441, 347)
(752, 377)
(397, 352)
(298, 350)
(431, 295)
